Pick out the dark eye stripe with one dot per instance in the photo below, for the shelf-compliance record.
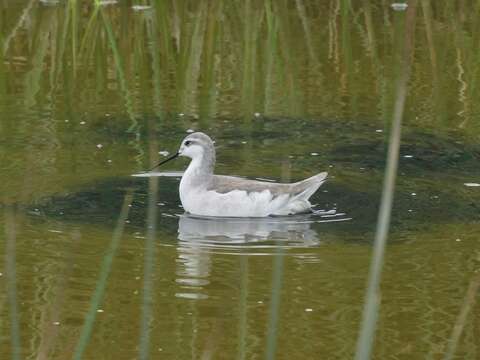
(187, 143)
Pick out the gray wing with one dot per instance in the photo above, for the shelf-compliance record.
(224, 184)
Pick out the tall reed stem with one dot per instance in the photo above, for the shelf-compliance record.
(372, 298)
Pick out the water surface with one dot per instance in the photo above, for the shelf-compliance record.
(97, 264)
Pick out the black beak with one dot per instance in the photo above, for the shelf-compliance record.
(165, 161)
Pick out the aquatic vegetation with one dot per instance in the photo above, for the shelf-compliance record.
(95, 261)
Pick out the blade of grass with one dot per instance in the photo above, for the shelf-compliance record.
(274, 316)
(49, 330)
(148, 266)
(62, 44)
(347, 52)
(139, 55)
(468, 304)
(372, 296)
(288, 58)
(11, 283)
(381, 87)
(243, 323)
(271, 54)
(252, 20)
(89, 34)
(208, 92)
(102, 279)
(18, 25)
(302, 13)
(428, 20)
(367, 11)
(277, 278)
(156, 56)
(120, 70)
(3, 73)
(193, 59)
(32, 79)
(74, 23)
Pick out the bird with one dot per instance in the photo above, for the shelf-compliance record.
(203, 193)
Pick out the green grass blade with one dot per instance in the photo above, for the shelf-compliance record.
(120, 71)
(149, 258)
(11, 283)
(372, 298)
(468, 304)
(274, 311)
(243, 323)
(102, 279)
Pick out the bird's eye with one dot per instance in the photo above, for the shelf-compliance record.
(187, 143)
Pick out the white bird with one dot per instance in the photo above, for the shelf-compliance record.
(205, 194)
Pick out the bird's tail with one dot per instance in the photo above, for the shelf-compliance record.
(306, 188)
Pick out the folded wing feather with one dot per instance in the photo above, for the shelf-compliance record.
(302, 189)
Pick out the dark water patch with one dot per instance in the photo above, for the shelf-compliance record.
(361, 144)
(430, 190)
(419, 151)
(416, 205)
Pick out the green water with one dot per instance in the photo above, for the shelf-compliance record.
(97, 264)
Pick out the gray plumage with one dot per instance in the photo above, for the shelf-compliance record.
(224, 184)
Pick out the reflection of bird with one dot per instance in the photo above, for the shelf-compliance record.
(209, 231)
(203, 193)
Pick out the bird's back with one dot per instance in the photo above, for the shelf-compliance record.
(224, 184)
